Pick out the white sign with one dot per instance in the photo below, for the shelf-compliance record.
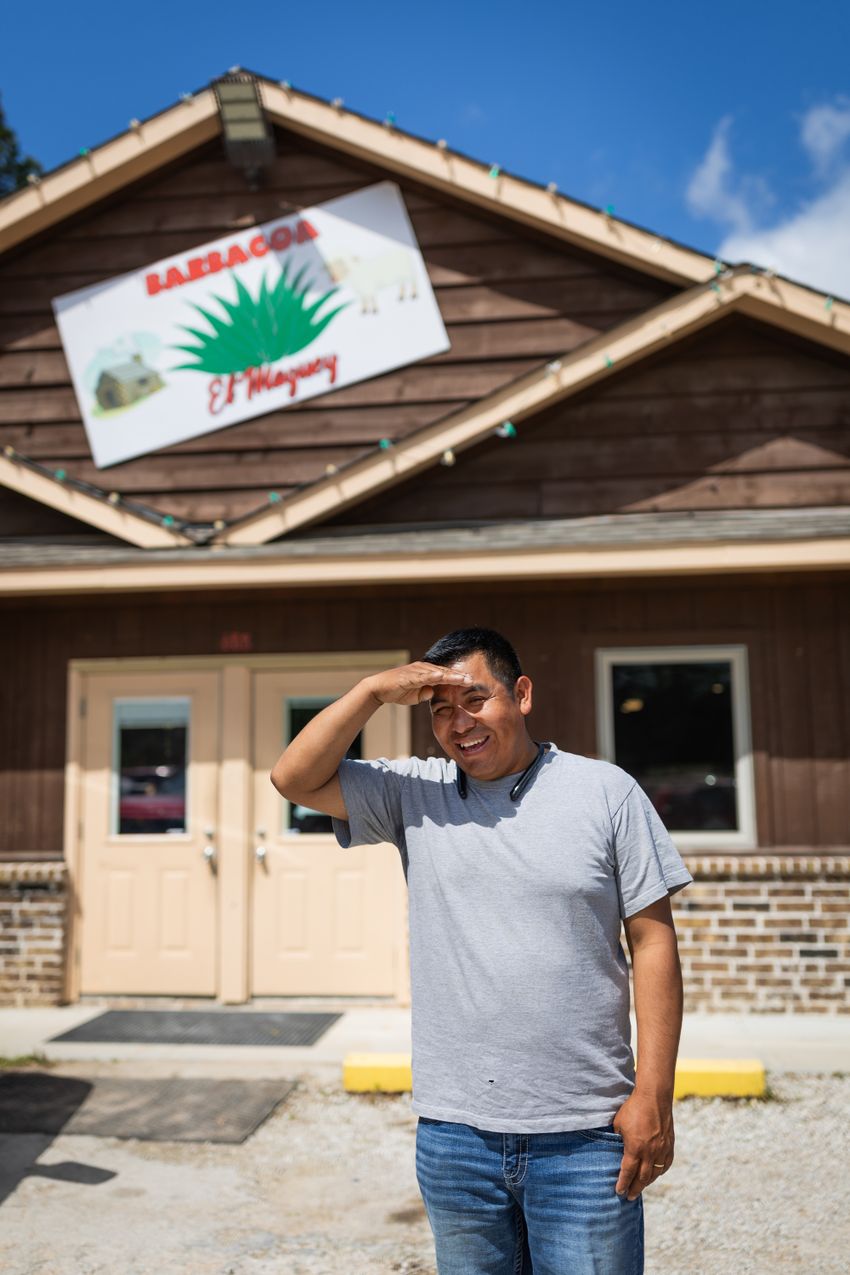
(257, 321)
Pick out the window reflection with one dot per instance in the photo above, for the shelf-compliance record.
(673, 732)
(149, 766)
(297, 713)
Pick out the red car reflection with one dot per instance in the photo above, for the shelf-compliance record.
(153, 795)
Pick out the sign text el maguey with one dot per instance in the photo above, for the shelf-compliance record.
(253, 322)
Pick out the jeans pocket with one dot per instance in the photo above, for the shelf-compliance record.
(603, 1133)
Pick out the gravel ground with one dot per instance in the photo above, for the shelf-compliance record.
(327, 1187)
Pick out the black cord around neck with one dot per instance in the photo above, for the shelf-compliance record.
(521, 784)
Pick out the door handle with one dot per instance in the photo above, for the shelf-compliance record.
(210, 857)
(260, 855)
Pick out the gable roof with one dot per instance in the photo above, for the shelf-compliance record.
(776, 301)
(89, 504)
(150, 144)
(147, 146)
(761, 295)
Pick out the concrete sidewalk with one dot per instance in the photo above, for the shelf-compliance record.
(782, 1042)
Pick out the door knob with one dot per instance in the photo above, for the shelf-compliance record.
(260, 854)
(210, 857)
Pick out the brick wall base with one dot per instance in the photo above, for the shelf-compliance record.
(766, 933)
(33, 902)
(756, 933)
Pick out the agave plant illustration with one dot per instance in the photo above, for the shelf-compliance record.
(258, 330)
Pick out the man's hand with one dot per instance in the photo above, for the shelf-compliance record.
(307, 771)
(646, 1125)
(413, 683)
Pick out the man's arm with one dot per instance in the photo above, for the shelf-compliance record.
(646, 1118)
(306, 772)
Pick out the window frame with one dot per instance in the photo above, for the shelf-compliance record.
(745, 837)
(118, 703)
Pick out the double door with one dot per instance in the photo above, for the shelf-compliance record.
(191, 875)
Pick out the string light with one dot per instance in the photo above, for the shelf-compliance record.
(135, 124)
(330, 470)
(719, 267)
(274, 497)
(33, 179)
(337, 103)
(608, 210)
(494, 172)
(657, 245)
(448, 457)
(442, 144)
(552, 188)
(188, 98)
(609, 362)
(84, 150)
(219, 524)
(286, 86)
(506, 430)
(715, 287)
(389, 119)
(385, 444)
(168, 520)
(554, 367)
(829, 303)
(9, 451)
(114, 498)
(60, 475)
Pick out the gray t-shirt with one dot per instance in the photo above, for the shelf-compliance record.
(519, 984)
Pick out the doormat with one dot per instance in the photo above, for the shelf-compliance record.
(200, 1027)
(171, 1110)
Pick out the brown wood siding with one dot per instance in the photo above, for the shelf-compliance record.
(797, 634)
(737, 417)
(509, 300)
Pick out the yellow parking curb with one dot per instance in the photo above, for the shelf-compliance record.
(377, 1073)
(702, 1078)
(720, 1078)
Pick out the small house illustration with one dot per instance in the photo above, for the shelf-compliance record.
(126, 383)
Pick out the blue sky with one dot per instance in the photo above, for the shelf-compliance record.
(724, 125)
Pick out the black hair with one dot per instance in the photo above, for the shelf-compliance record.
(502, 659)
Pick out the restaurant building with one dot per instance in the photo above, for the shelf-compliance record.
(631, 458)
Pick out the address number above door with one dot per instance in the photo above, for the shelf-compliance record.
(249, 324)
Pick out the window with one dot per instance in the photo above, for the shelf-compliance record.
(298, 711)
(677, 719)
(149, 762)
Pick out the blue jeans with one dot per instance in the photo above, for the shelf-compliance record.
(516, 1203)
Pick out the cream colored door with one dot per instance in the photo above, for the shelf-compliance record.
(326, 921)
(147, 885)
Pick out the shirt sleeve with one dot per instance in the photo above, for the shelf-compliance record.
(648, 865)
(372, 795)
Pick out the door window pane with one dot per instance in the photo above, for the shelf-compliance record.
(673, 732)
(149, 765)
(297, 713)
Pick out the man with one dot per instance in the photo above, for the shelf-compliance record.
(534, 1139)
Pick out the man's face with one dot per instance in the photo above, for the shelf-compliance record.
(481, 726)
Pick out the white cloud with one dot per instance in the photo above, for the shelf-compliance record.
(823, 132)
(710, 192)
(810, 244)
